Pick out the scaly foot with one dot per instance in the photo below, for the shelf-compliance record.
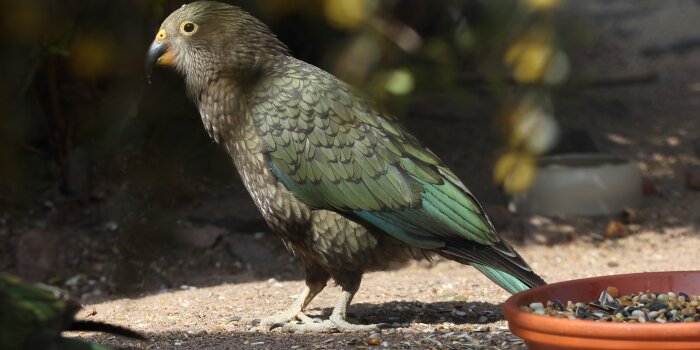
(280, 318)
(294, 312)
(334, 324)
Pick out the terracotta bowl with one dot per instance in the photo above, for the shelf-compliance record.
(543, 332)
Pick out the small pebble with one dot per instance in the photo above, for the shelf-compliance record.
(537, 306)
(637, 313)
(459, 313)
(373, 341)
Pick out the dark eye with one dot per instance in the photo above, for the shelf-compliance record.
(188, 28)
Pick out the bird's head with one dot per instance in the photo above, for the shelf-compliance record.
(207, 37)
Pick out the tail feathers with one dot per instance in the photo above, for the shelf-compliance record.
(505, 280)
(500, 263)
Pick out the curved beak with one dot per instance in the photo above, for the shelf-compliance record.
(158, 54)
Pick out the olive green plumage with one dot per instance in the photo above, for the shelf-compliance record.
(347, 188)
(336, 151)
(33, 317)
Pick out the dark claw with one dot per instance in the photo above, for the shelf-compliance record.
(384, 326)
(276, 325)
(255, 322)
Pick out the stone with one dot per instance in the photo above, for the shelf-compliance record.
(37, 254)
(200, 236)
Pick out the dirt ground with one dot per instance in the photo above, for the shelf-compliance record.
(442, 305)
(184, 297)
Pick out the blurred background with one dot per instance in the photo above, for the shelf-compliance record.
(109, 184)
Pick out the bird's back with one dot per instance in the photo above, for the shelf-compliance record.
(334, 150)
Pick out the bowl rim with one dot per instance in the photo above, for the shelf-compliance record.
(522, 320)
(616, 160)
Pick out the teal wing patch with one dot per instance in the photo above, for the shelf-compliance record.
(336, 151)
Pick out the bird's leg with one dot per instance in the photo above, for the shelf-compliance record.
(338, 317)
(315, 282)
(337, 321)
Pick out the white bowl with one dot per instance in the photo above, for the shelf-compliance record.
(582, 185)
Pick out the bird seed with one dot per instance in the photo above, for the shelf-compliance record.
(642, 307)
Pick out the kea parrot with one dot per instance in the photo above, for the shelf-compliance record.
(345, 186)
(32, 316)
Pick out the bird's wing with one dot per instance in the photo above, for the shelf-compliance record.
(336, 151)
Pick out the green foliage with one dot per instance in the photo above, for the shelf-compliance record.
(32, 316)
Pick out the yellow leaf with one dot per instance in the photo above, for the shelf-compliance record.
(91, 56)
(542, 4)
(347, 14)
(516, 171)
(532, 63)
(399, 82)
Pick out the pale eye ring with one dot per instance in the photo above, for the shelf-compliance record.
(188, 28)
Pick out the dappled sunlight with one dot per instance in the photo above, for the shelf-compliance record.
(422, 298)
(418, 299)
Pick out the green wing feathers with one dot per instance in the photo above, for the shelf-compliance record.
(336, 151)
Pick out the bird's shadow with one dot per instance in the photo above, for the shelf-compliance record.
(404, 313)
(399, 314)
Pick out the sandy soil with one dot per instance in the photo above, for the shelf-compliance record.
(442, 305)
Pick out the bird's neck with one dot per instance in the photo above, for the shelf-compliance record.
(221, 107)
(238, 78)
